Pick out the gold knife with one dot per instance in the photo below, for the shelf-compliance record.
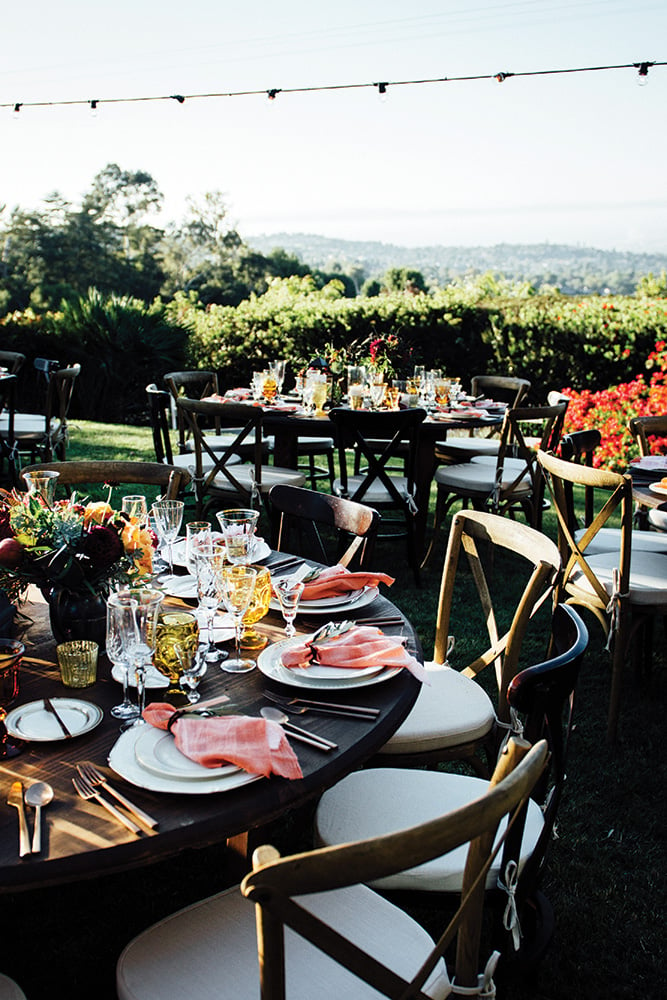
(50, 707)
(15, 798)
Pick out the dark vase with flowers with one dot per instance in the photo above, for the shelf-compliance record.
(77, 615)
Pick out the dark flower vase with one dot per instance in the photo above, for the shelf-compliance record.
(77, 616)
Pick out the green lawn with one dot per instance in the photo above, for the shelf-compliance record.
(606, 871)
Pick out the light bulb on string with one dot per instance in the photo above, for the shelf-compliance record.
(382, 92)
(642, 73)
(16, 113)
(93, 109)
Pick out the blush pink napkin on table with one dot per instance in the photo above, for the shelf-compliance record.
(336, 580)
(256, 745)
(360, 647)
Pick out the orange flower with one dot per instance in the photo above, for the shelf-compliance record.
(138, 544)
(97, 513)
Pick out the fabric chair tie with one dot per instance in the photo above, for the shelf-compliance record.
(485, 985)
(614, 608)
(511, 914)
(412, 505)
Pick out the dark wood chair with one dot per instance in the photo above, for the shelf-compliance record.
(380, 439)
(41, 436)
(219, 477)
(315, 933)
(13, 361)
(508, 482)
(507, 389)
(195, 384)
(304, 520)
(171, 479)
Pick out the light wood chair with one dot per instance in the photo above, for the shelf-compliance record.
(315, 933)
(217, 477)
(624, 586)
(302, 518)
(172, 480)
(371, 802)
(454, 718)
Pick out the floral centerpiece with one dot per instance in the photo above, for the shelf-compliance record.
(74, 552)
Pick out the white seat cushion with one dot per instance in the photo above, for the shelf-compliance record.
(9, 989)
(469, 446)
(26, 425)
(609, 540)
(306, 445)
(376, 493)
(450, 710)
(658, 518)
(188, 462)
(271, 474)
(477, 477)
(209, 951)
(648, 575)
(386, 799)
(218, 442)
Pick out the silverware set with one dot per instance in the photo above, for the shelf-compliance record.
(37, 795)
(87, 783)
(299, 706)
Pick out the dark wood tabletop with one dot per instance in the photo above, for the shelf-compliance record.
(79, 839)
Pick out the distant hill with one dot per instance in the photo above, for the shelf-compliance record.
(573, 269)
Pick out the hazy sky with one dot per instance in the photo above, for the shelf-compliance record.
(573, 158)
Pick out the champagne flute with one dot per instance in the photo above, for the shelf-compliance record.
(169, 517)
(278, 369)
(238, 585)
(116, 652)
(289, 593)
(138, 630)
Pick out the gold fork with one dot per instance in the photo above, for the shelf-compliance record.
(93, 776)
(86, 791)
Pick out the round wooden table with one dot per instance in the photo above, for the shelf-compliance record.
(79, 839)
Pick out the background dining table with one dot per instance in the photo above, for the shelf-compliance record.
(80, 839)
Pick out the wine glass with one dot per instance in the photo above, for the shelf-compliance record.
(136, 508)
(238, 526)
(237, 584)
(191, 677)
(11, 654)
(196, 533)
(117, 610)
(168, 516)
(288, 592)
(260, 603)
(278, 369)
(138, 634)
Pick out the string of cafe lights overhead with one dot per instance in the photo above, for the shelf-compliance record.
(381, 87)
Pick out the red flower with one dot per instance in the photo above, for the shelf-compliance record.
(102, 546)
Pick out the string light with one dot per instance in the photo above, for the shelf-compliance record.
(93, 109)
(641, 67)
(642, 72)
(16, 111)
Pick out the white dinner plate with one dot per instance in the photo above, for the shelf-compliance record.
(657, 488)
(269, 662)
(262, 549)
(156, 751)
(123, 760)
(653, 463)
(180, 586)
(327, 605)
(34, 722)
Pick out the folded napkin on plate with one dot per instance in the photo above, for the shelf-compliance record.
(256, 745)
(355, 648)
(336, 580)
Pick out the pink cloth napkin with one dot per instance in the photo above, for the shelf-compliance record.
(256, 745)
(336, 580)
(360, 647)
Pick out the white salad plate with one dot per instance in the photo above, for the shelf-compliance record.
(262, 549)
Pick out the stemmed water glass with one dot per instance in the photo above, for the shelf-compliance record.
(278, 369)
(191, 677)
(136, 508)
(238, 527)
(139, 634)
(168, 516)
(237, 585)
(209, 560)
(288, 592)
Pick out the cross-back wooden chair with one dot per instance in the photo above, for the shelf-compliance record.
(623, 584)
(454, 718)
(196, 384)
(225, 479)
(303, 520)
(170, 479)
(315, 933)
(45, 436)
(507, 389)
(650, 433)
(508, 482)
(380, 438)
(371, 802)
(8, 449)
